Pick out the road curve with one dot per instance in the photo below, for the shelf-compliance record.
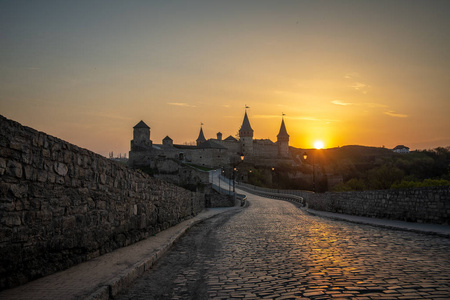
(273, 250)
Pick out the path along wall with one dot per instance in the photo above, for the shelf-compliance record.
(61, 204)
(426, 205)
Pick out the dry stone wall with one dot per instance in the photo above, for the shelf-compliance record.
(61, 204)
(426, 205)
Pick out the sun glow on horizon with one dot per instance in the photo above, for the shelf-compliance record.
(318, 144)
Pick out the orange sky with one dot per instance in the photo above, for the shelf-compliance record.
(372, 73)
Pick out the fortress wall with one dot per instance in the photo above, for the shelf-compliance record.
(209, 157)
(265, 150)
(426, 205)
(61, 204)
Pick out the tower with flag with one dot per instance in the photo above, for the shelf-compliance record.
(246, 135)
(283, 139)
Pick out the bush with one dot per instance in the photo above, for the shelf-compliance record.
(417, 184)
(354, 184)
(384, 177)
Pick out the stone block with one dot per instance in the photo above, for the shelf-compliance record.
(2, 166)
(79, 209)
(4, 188)
(51, 178)
(7, 206)
(60, 168)
(45, 153)
(69, 223)
(6, 234)
(14, 168)
(56, 146)
(18, 190)
(11, 220)
(30, 173)
(60, 180)
(9, 153)
(68, 157)
(101, 205)
(18, 143)
(102, 178)
(44, 217)
(81, 220)
(57, 211)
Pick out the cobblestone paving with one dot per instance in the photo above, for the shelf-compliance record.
(272, 250)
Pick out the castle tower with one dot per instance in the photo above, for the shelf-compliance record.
(283, 140)
(201, 137)
(167, 141)
(141, 136)
(246, 136)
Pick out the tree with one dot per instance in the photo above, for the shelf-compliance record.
(383, 177)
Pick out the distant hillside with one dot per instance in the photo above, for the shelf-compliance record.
(379, 168)
(354, 153)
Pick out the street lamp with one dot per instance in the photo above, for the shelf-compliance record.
(275, 180)
(234, 176)
(305, 156)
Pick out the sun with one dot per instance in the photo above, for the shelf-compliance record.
(318, 144)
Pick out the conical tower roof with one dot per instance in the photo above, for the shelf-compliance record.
(246, 130)
(246, 124)
(201, 137)
(283, 131)
(141, 124)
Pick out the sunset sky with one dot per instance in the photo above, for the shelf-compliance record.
(374, 73)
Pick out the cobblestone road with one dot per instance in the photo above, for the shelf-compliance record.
(273, 250)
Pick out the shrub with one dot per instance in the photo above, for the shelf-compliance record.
(417, 184)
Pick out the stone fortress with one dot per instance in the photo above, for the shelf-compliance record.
(212, 153)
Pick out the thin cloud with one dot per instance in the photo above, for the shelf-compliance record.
(369, 105)
(308, 118)
(351, 75)
(182, 104)
(394, 114)
(338, 102)
(361, 87)
(303, 118)
(357, 85)
(327, 121)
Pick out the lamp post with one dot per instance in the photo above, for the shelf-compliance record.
(234, 176)
(273, 177)
(234, 180)
(305, 156)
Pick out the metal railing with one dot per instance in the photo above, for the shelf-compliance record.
(272, 193)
